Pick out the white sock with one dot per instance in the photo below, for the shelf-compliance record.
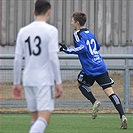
(39, 126)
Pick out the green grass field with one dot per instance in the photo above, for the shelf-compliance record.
(67, 123)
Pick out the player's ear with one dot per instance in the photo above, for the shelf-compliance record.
(48, 12)
(77, 23)
(34, 13)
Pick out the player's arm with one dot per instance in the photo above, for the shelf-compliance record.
(17, 69)
(17, 89)
(80, 43)
(80, 49)
(63, 47)
(18, 59)
(56, 67)
(53, 50)
(56, 70)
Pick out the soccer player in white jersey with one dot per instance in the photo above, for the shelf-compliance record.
(38, 44)
(93, 66)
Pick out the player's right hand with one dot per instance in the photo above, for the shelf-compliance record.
(63, 47)
(17, 91)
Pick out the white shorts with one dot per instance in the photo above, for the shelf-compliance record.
(39, 98)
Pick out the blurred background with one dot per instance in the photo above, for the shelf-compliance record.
(112, 23)
(110, 20)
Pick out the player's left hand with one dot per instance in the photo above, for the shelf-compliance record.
(59, 90)
(17, 91)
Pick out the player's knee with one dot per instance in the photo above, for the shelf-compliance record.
(84, 88)
(109, 85)
(109, 91)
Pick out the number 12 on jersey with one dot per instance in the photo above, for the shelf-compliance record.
(94, 49)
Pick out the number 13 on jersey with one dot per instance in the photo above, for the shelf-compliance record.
(37, 44)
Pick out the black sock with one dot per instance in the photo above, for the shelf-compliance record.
(117, 103)
(87, 93)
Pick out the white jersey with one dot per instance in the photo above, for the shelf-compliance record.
(38, 43)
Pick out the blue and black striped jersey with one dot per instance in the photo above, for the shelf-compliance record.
(87, 47)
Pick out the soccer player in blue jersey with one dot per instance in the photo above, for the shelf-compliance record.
(93, 66)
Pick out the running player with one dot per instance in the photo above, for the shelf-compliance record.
(38, 43)
(93, 66)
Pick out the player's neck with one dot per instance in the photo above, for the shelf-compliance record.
(44, 17)
(80, 27)
(41, 18)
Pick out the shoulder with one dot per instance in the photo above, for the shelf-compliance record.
(23, 29)
(20, 32)
(51, 27)
(87, 34)
(84, 31)
(78, 35)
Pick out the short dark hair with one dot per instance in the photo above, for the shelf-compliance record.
(41, 7)
(80, 17)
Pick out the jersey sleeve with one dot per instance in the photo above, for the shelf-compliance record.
(53, 54)
(55, 67)
(18, 59)
(80, 45)
(19, 47)
(53, 41)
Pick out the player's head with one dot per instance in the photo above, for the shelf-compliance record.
(78, 19)
(41, 7)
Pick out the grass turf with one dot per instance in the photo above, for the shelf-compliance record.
(67, 123)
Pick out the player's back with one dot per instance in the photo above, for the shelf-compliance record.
(35, 40)
(91, 60)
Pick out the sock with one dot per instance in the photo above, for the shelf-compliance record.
(117, 103)
(87, 93)
(39, 126)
